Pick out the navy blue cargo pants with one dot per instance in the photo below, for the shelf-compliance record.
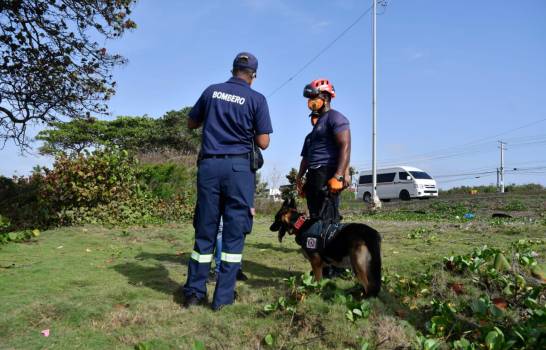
(225, 187)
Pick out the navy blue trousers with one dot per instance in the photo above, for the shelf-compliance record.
(225, 187)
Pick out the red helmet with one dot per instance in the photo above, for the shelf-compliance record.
(313, 89)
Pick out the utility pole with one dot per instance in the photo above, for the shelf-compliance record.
(375, 198)
(501, 169)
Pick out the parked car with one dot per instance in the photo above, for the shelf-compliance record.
(403, 182)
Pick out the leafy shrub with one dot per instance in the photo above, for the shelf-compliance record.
(495, 302)
(18, 236)
(4, 223)
(20, 203)
(88, 180)
(449, 210)
(527, 188)
(169, 180)
(106, 187)
(103, 187)
(514, 205)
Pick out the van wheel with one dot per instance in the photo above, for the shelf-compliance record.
(404, 195)
(367, 197)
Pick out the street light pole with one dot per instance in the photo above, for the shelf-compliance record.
(501, 170)
(376, 202)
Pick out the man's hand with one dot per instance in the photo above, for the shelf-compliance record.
(335, 185)
(299, 187)
(347, 179)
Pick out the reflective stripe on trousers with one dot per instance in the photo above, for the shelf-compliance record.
(231, 258)
(201, 258)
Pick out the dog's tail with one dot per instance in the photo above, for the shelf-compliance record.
(373, 243)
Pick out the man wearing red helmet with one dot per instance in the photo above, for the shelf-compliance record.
(326, 150)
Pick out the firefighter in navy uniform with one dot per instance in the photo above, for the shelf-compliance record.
(232, 116)
(325, 155)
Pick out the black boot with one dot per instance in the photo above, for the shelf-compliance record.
(241, 276)
(192, 300)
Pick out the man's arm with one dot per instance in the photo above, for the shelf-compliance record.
(343, 140)
(197, 113)
(262, 140)
(304, 164)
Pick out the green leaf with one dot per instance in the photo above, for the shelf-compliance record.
(462, 344)
(495, 311)
(357, 312)
(494, 339)
(431, 344)
(479, 306)
(501, 263)
(349, 315)
(270, 307)
(269, 340)
(198, 345)
(143, 346)
(13, 236)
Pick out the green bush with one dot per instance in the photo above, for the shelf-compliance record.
(108, 187)
(20, 203)
(448, 210)
(527, 188)
(4, 224)
(103, 187)
(90, 179)
(169, 180)
(18, 236)
(142, 210)
(514, 205)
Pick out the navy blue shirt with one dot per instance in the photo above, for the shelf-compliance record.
(320, 147)
(231, 113)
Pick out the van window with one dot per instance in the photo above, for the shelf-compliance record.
(365, 179)
(387, 177)
(404, 176)
(420, 175)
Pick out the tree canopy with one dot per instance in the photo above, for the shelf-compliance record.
(51, 66)
(139, 135)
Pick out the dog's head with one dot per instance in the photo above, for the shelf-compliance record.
(282, 218)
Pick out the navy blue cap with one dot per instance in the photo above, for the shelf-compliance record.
(246, 60)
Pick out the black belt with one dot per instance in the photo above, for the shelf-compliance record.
(224, 156)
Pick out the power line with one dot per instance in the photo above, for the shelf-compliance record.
(470, 150)
(508, 169)
(314, 58)
(469, 147)
(464, 174)
(464, 178)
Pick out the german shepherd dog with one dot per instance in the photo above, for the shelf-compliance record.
(356, 245)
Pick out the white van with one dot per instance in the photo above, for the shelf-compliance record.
(403, 182)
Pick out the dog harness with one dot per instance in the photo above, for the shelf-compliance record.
(314, 235)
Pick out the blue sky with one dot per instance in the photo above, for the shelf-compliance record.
(453, 77)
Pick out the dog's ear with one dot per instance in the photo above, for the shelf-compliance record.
(275, 226)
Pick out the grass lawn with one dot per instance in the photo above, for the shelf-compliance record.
(101, 288)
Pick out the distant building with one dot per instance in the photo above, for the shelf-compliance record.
(274, 194)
